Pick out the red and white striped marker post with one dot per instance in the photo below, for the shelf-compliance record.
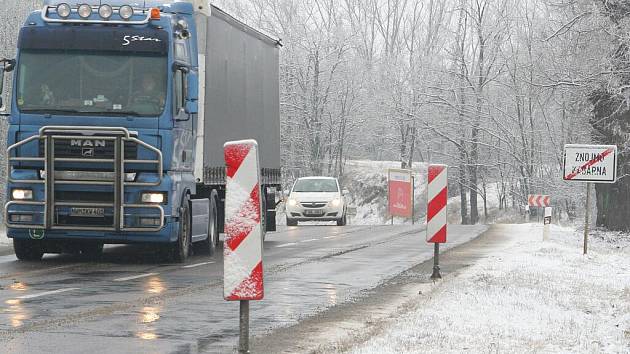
(242, 250)
(436, 212)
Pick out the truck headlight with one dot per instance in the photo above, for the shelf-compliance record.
(63, 10)
(292, 202)
(335, 202)
(85, 11)
(22, 194)
(154, 197)
(125, 12)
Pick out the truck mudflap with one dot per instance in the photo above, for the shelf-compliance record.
(75, 212)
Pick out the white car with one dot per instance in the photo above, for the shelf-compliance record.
(316, 199)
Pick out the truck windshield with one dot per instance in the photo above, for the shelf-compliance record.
(316, 185)
(91, 83)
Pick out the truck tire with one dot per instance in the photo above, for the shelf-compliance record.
(180, 249)
(28, 250)
(292, 222)
(208, 246)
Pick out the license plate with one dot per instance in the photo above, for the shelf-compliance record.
(88, 212)
(313, 212)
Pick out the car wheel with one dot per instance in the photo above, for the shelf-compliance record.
(181, 247)
(342, 221)
(292, 222)
(28, 250)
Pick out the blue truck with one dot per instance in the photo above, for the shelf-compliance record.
(117, 117)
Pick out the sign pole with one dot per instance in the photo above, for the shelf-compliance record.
(413, 199)
(586, 215)
(243, 339)
(436, 262)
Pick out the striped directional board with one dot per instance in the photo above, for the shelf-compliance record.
(242, 251)
(538, 200)
(436, 208)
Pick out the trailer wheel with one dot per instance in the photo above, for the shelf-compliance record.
(28, 250)
(181, 248)
(209, 245)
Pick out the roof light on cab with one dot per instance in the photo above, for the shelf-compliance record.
(125, 12)
(63, 10)
(105, 11)
(85, 11)
(155, 13)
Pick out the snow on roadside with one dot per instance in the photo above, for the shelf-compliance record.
(532, 297)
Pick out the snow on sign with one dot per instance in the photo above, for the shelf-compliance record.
(590, 163)
(242, 251)
(400, 190)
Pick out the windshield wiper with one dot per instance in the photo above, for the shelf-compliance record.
(51, 111)
(76, 111)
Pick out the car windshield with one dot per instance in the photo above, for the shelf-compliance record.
(91, 82)
(316, 185)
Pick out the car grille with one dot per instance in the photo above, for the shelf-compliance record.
(314, 205)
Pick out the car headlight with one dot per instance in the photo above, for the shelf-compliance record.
(335, 202)
(154, 197)
(22, 194)
(292, 202)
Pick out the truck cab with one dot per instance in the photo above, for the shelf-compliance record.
(111, 124)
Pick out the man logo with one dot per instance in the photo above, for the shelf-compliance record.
(87, 152)
(87, 143)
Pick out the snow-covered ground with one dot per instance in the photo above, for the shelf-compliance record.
(533, 297)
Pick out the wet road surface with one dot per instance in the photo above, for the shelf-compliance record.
(130, 302)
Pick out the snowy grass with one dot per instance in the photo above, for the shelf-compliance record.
(534, 297)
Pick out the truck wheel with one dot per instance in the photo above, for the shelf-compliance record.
(28, 250)
(92, 250)
(209, 245)
(292, 222)
(181, 247)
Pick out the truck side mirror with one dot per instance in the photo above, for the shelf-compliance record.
(192, 107)
(7, 66)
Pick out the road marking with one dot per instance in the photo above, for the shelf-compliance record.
(32, 296)
(197, 265)
(136, 276)
(287, 244)
(311, 240)
(328, 237)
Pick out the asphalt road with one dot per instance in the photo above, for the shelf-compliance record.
(129, 302)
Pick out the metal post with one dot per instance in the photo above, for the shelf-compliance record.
(413, 197)
(436, 262)
(243, 339)
(586, 215)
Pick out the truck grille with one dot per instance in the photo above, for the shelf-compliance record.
(89, 149)
(94, 197)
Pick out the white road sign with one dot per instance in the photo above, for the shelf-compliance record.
(590, 163)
